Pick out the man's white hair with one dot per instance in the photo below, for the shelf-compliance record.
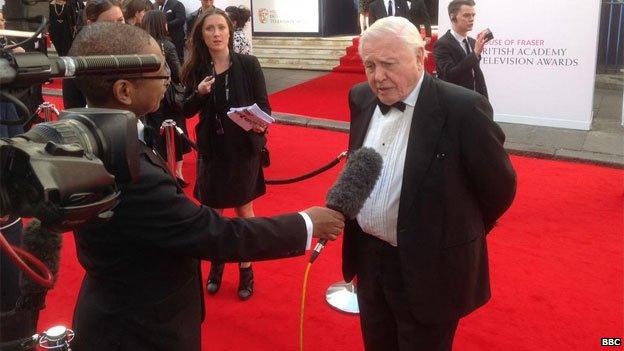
(392, 26)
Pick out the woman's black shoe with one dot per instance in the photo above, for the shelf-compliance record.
(214, 278)
(245, 285)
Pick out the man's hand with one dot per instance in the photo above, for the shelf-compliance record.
(480, 41)
(328, 224)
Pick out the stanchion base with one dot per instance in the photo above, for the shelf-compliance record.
(342, 296)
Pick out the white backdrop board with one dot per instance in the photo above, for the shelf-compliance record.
(285, 16)
(540, 67)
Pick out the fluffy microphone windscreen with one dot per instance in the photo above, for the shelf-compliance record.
(356, 182)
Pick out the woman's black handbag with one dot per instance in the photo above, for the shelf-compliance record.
(174, 96)
(265, 158)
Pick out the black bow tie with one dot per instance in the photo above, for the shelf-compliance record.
(399, 105)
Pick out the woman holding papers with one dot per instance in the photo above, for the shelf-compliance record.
(229, 173)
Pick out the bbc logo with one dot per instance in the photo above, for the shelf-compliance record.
(610, 341)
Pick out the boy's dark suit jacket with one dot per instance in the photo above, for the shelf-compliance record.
(454, 66)
(457, 182)
(377, 9)
(142, 289)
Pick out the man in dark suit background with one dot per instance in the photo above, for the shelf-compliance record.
(419, 15)
(384, 8)
(206, 5)
(142, 289)
(176, 18)
(418, 246)
(457, 55)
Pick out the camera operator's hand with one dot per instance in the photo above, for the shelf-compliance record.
(479, 43)
(328, 224)
(205, 86)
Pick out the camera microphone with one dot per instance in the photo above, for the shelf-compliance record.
(105, 64)
(26, 69)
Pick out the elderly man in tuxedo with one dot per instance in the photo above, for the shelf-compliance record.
(457, 55)
(418, 246)
(176, 18)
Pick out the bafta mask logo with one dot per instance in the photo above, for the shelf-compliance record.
(264, 15)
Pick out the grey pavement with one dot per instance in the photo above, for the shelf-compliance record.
(603, 144)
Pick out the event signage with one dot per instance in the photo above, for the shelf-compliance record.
(285, 16)
(540, 67)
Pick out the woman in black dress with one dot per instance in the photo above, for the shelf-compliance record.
(155, 23)
(63, 23)
(229, 174)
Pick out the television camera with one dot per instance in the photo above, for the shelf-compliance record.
(66, 173)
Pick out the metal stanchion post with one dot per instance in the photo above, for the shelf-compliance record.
(168, 128)
(57, 338)
(48, 112)
(343, 297)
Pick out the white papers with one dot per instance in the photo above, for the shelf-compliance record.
(248, 116)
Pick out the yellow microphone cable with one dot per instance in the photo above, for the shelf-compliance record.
(303, 298)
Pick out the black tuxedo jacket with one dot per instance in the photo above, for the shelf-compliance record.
(377, 9)
(176, 18)
(142, 289)
(419, 15)
(454, 66)
(457, 182)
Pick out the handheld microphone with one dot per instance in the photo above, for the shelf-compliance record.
(46, 246)
(353, 186)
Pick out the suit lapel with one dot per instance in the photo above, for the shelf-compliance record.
(157, 160)
(455, 45)
(167, 5)
(425, 131)
(359, 127)
(399, 9)
(384, 9)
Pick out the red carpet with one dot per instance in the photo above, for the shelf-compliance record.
(556, 264)
(351, 62)
(54, 84)
(322, 97)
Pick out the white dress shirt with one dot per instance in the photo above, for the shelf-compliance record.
(388, 135)
(308, 222)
